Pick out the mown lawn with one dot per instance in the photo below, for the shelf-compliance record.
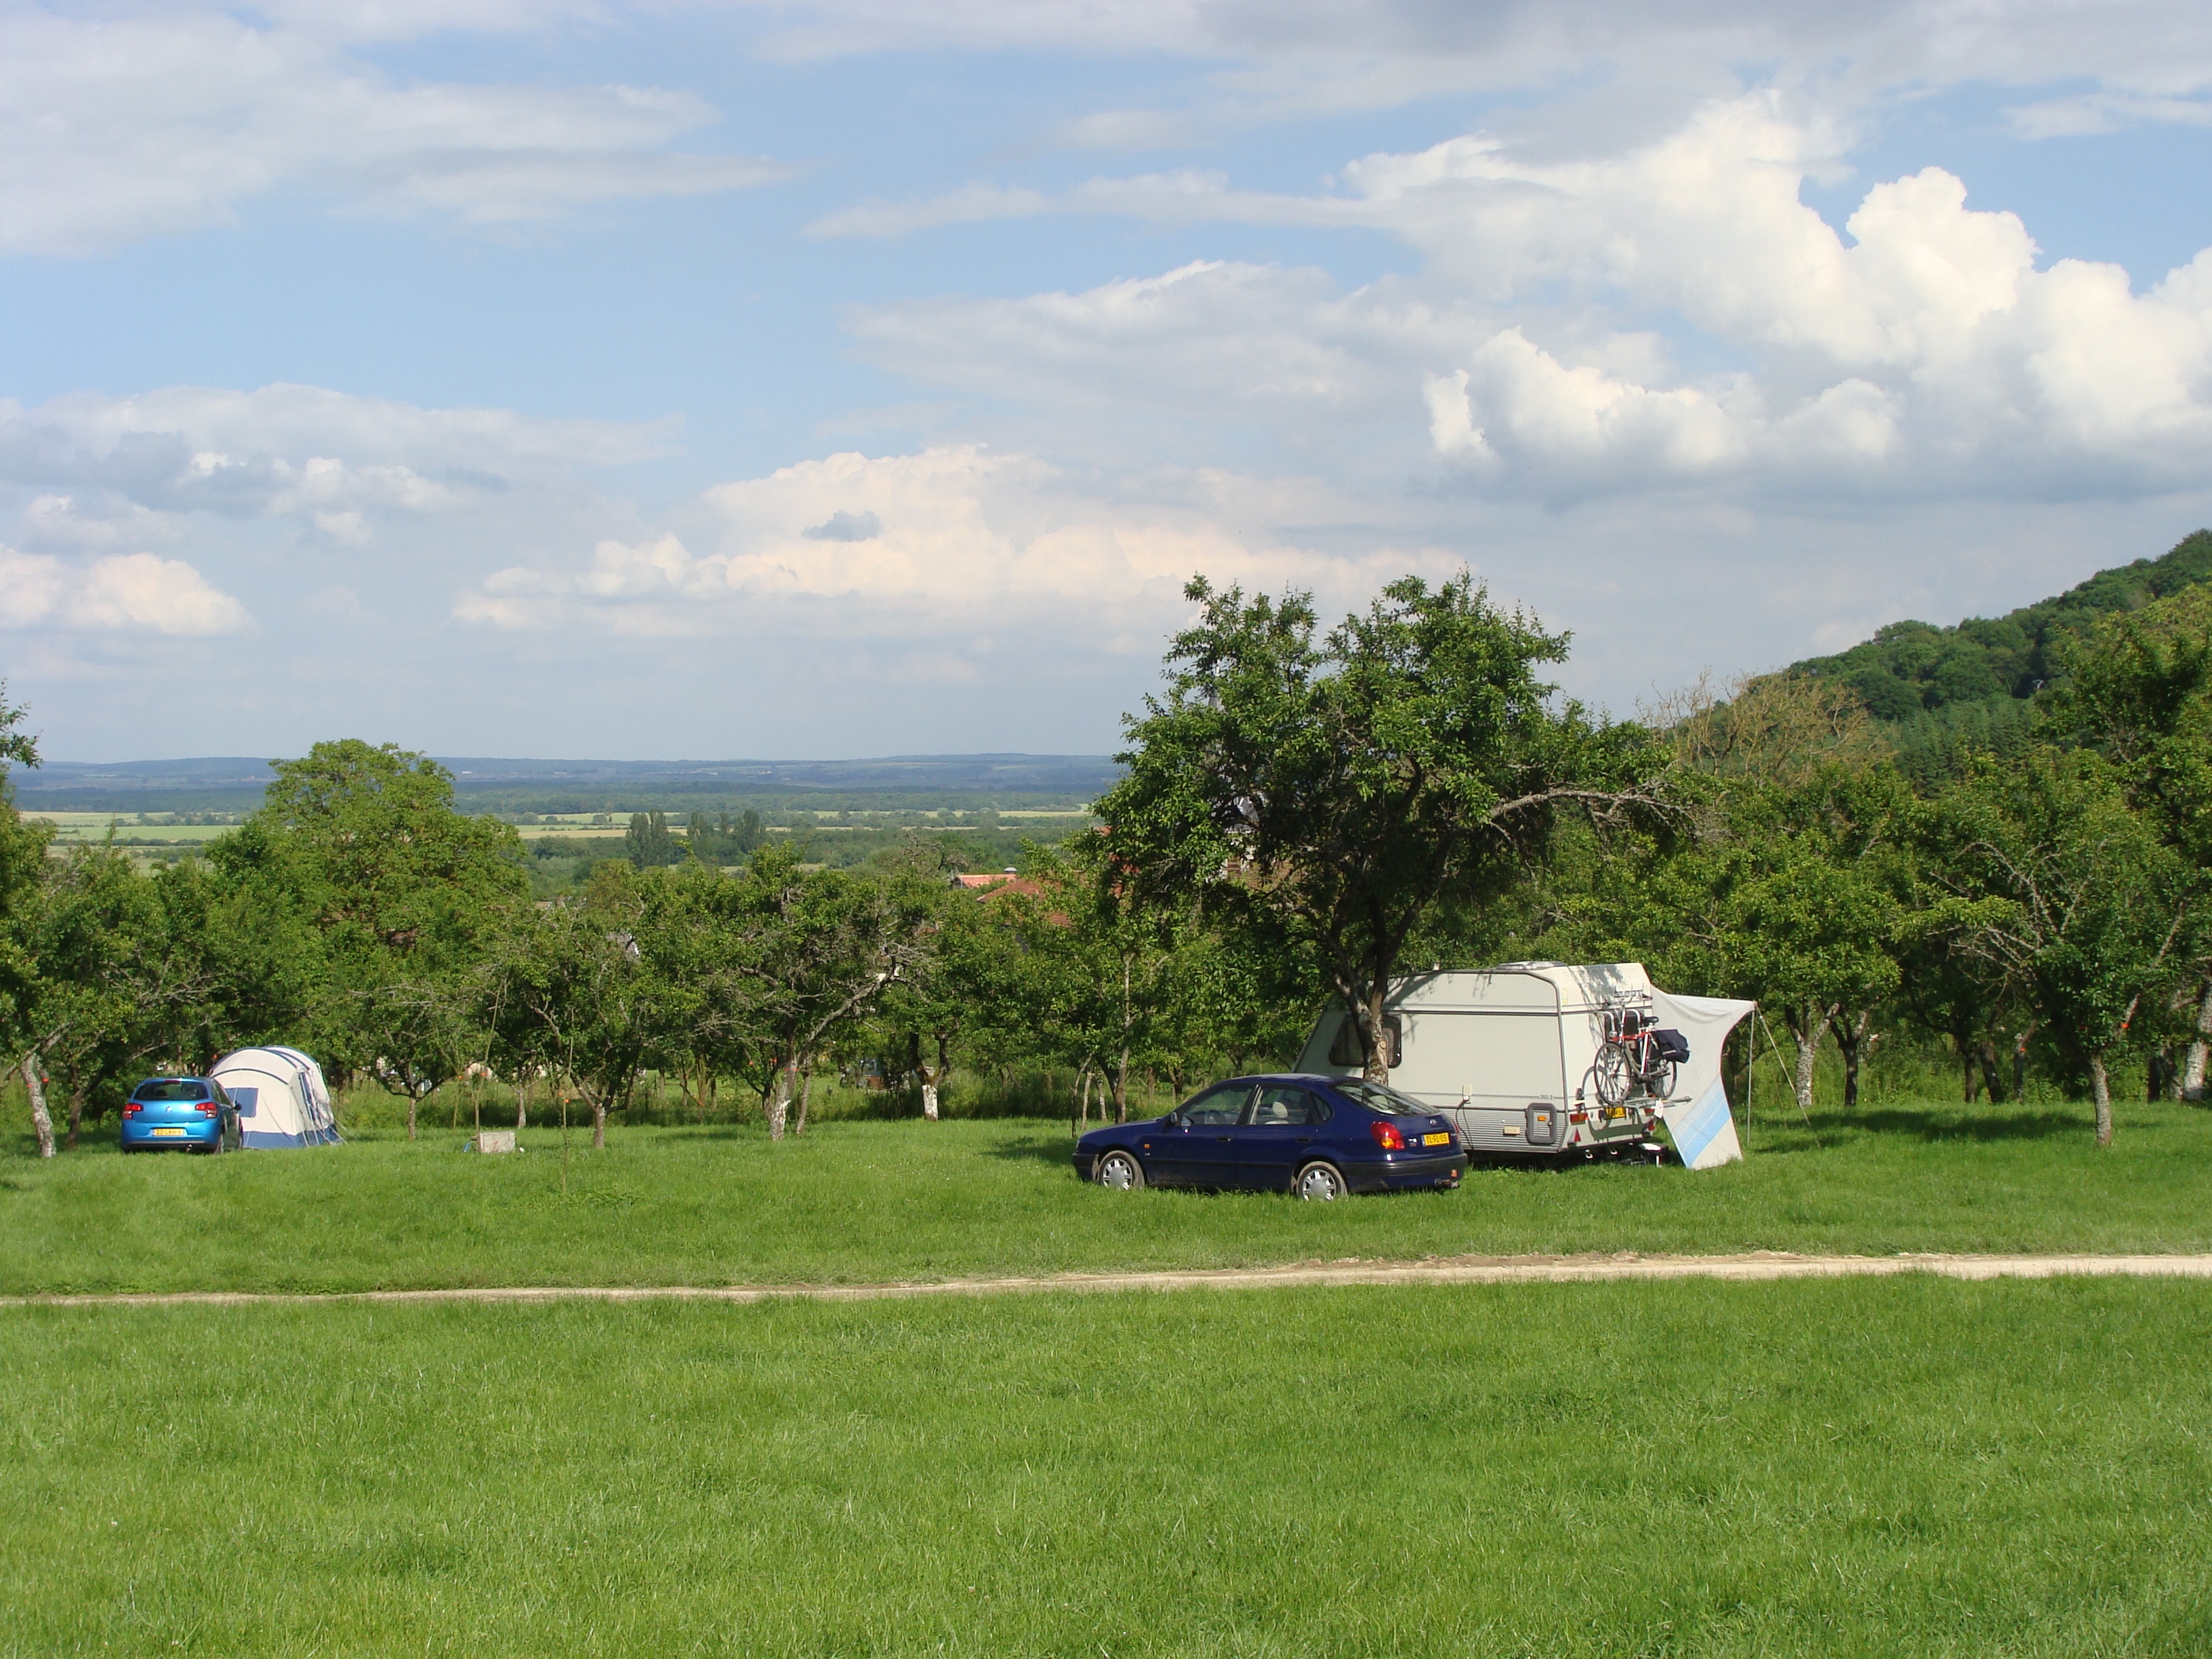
(883, 1201)
(1873, 1467)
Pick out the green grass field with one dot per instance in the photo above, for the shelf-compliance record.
(1878, 1467)
(856, 1201)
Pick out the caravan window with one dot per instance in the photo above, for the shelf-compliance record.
(1350, 1047)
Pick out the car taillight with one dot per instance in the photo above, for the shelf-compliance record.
(208, 1108)
(132, 1108)
(1387, 1137)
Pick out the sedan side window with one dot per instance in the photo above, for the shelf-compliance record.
(1280, 1103)
(1223, 1104)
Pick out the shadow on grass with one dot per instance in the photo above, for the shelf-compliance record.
(1953, 1124)
(1059, 1154)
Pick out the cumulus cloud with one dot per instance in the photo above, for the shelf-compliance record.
(953, 535)
(1924, 343)
(137, 593)
(117, 127)
(1922, 349)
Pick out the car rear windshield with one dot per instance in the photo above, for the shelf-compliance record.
(1377, 1098)
(172, 1088)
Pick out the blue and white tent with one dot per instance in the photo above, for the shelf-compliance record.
(282, 1098)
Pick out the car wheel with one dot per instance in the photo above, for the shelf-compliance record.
(1121, 1171)
(1319, 1181)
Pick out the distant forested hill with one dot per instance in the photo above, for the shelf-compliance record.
(1940, 691)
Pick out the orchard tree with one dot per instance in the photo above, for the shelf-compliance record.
(2100, 918)
(1329, 791)
(22, 863)
(2137, 688)
(820, 949)
(570, 992)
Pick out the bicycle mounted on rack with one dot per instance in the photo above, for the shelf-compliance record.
(1635, 1058)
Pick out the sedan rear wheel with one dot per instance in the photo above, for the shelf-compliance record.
(1319, 1181)
(1121, 1172)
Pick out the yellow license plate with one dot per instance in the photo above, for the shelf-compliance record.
(169, 1131)
(1435, 1141)
(1615, 1114)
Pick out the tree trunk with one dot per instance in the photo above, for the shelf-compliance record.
(2101, 1084)
(1122, 1071)
(1807, 1029)
(1992, 1076)
(779, 1102)
(1377, 1068)
(411, 1103)
(1968, 1087)
(521, 1097)
(37, 1089)
(806, 1097)
(599, 1121)
(929, 1096)
(2192, 1071)
(1851, 1037)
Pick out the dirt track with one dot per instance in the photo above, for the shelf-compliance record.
(1456, 1270)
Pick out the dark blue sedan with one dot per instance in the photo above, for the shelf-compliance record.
(1319, 1137)
(186, 1114)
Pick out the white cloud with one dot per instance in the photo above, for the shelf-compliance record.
(958, 537)
(286, 450)
(1139, 364)
(117, 127)
(1921, 351)
(1279, 59)
(135, 593)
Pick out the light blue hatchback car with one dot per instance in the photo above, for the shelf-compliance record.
(187, 1114)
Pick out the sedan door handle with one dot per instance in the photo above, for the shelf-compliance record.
(1224, 1137)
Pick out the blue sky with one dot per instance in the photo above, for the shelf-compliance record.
(546, 377)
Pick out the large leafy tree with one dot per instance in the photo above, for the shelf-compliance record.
(1329, 791)
(364, 845)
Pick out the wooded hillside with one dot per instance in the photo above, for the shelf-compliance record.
(1940, 693)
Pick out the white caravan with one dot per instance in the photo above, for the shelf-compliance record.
(282, 1100)
(1553, 1059)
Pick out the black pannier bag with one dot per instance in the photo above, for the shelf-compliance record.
(1672, 1047)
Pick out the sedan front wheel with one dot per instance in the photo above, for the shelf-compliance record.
(1121, 1172)
(1319, 1181)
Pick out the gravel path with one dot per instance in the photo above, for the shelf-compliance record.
(1451, 1270)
